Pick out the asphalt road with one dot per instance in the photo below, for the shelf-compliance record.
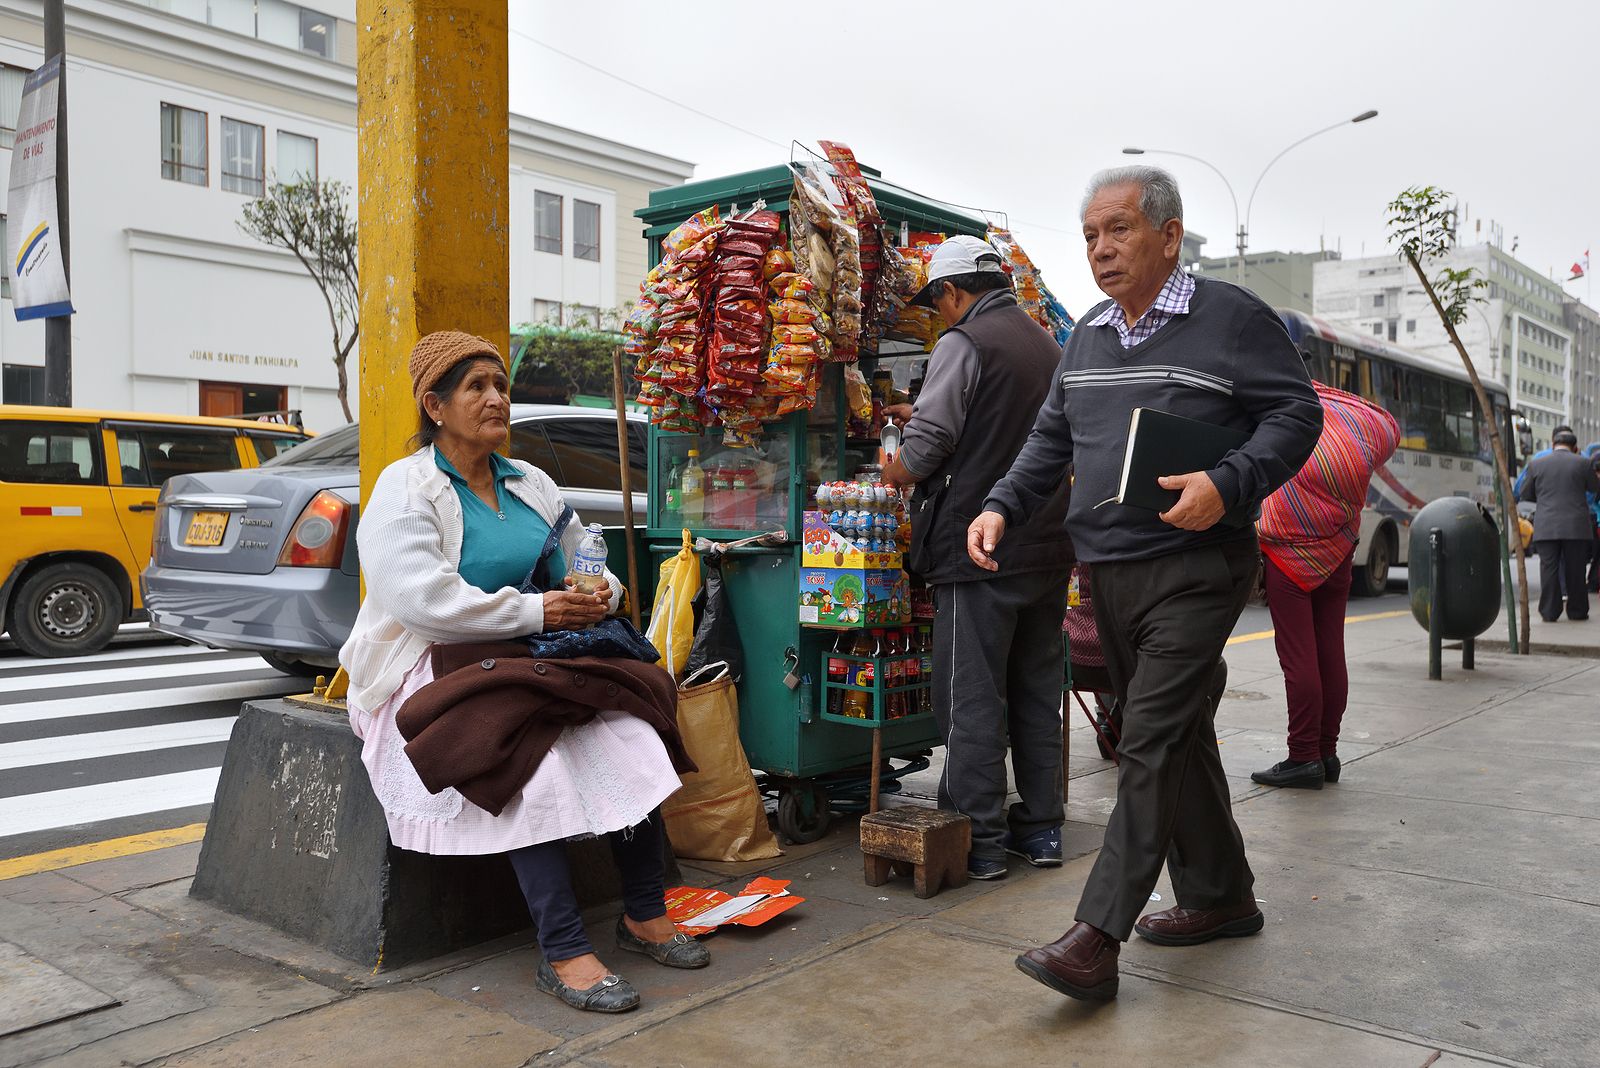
(122, 742)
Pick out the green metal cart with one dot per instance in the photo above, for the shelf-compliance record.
(803, 751)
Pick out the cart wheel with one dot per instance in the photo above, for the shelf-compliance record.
(803, 814)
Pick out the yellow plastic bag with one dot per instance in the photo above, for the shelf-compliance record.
(718, 814)
(672, 620)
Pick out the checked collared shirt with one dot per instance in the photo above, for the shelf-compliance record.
(1172, 301)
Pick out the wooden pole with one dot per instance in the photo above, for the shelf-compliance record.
(627, 482)
(875, 780)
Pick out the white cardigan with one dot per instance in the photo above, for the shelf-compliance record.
(409, 537)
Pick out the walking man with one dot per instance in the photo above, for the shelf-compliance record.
(1169, 586)
(1308, 531)
(997, 651)
(1563, 526)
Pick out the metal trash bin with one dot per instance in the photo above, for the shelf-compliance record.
(1454, 569)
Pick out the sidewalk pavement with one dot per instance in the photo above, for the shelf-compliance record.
(1436, 907)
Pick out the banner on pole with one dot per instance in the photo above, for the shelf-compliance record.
(33, 232)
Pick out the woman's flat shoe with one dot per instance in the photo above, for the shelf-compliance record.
(611, 994)
(681, 952)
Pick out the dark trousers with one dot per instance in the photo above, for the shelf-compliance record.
(1163, 625)
(997, 660)
(1561, 564)
(1308, 627)
(1594, 562)
(547, 884)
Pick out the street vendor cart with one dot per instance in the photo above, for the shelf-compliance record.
(830, 646)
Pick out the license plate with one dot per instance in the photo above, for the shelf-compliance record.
(206, 528)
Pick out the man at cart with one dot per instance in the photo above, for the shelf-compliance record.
(997, 652)
(1169, 586)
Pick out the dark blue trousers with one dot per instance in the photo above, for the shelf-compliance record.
(547, 885)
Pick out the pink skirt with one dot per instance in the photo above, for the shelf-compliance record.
(608, 774)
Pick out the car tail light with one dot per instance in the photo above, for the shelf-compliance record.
(317, 537)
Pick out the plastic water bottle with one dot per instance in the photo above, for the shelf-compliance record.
(589, 564)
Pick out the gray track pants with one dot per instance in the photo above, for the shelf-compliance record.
(997, 658)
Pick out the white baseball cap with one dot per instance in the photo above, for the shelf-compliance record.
(956, 256)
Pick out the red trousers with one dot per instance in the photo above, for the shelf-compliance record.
(1308, 627)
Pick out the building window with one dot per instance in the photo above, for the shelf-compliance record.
(1411, 326)
(586, 315)
(11, 79)
(1377, 300)
(586, 230)
(243, 166)
(316, 33)
(1394, 329)
(297, 158)
(183, 145)
(1377, 328)
(547, 312)
(547, 222)
(21, 384)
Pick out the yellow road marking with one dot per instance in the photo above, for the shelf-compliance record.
(1263, 634)
(132, 845)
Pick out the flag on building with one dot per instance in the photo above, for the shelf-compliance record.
(1580, 268)
(33, 244)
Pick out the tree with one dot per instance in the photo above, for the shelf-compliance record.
(1423, 228)
(553, 363)
(312, 219)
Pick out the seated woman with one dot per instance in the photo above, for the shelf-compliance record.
(447, 536)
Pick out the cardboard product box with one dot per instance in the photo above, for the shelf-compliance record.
(822, 546)
(854, 598)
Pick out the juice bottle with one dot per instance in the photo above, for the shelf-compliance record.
(838, 672)
(692, 495)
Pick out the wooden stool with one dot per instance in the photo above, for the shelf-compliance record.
(925, 843)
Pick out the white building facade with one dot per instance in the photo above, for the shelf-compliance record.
(181, 110)
(1518, 336)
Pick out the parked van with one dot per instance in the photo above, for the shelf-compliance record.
(77, 510)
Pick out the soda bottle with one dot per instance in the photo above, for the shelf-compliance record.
(692, 494)
(717, 486)
(674, 496)
(858, 703)
(588, 569)
(894, 675)
(838, 672)
(913, 671)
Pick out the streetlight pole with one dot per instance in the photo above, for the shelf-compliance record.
(1242, 230)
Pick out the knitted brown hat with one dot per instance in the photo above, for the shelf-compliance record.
(436, 353)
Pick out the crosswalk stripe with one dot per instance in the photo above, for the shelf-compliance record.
(62, 707)
(113, 743)
(72, 678)
(106, 801)
(130, 652)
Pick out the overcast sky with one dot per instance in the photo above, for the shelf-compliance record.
(1013, 105)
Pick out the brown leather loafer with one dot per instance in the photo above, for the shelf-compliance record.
(1081, 964)
(1190, 927)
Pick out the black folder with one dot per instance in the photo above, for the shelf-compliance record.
(1160, 443)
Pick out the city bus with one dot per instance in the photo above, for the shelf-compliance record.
(1444, 444)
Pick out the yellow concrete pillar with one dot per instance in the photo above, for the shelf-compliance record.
(432, 138)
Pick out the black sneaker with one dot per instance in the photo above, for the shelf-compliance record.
(985, 868)
(1042, 849)
(1306, 776)
(1330, 767)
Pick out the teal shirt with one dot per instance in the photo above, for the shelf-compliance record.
(498, 548)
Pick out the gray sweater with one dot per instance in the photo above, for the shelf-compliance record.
(1228, 362)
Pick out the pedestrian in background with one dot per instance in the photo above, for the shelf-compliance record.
(1563, 525)
(997, 651)
(1169, 586)
(1592, 452)
(1308, 531)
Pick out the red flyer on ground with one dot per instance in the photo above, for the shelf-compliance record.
(698, 912)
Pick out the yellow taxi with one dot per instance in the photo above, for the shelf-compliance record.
(77, 510)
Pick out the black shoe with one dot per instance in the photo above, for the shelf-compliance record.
(1330, 767)
(1307, 775)
(611, 994)
(985, 868)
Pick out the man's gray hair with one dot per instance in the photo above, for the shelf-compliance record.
(1158, 200)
